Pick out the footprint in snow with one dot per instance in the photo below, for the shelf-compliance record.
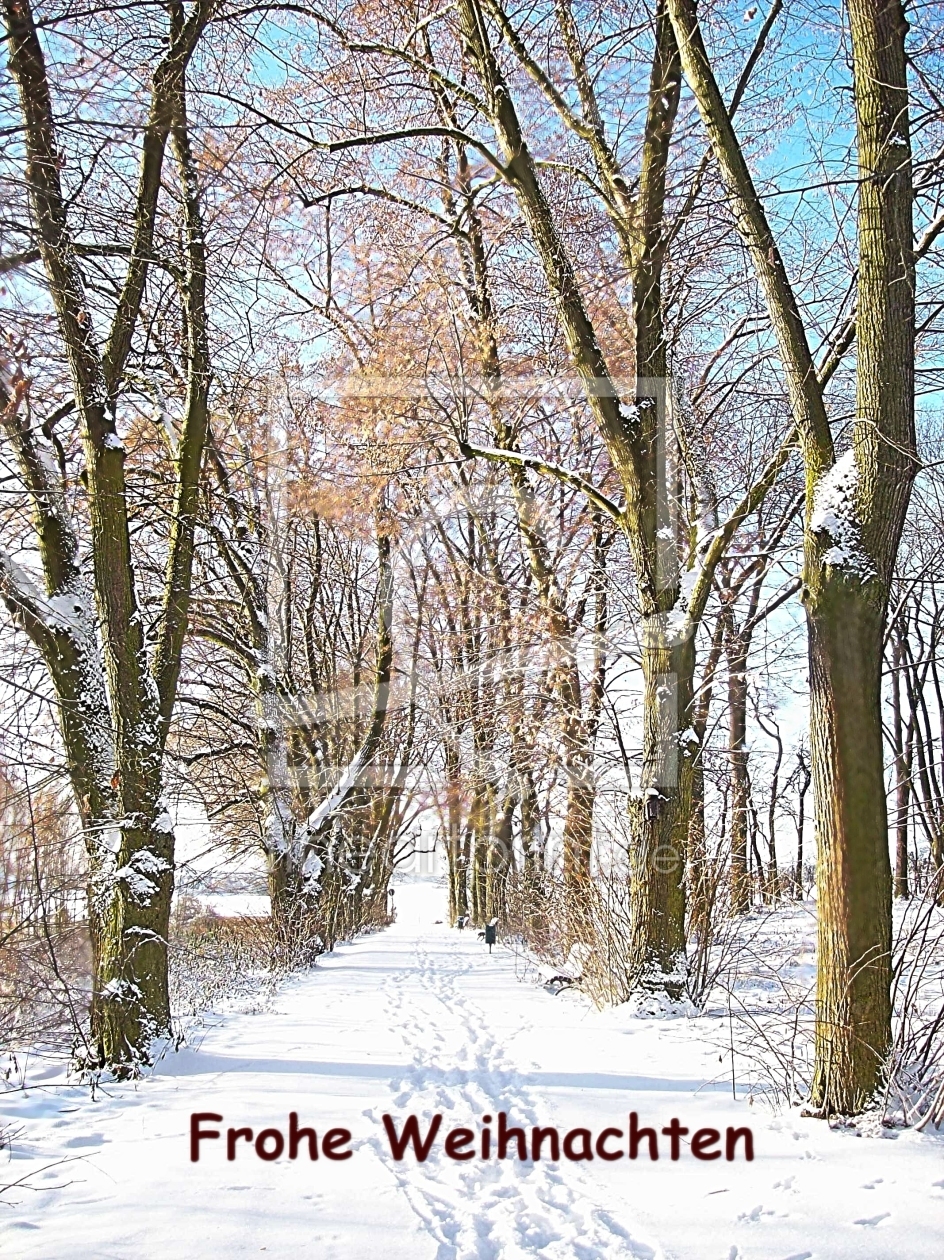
(755, 1213)
(93, 1139)
(636, 1248)
(872, 1221)
(870, 1185)
(736, 1254)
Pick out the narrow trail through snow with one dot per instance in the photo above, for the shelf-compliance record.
(421, 1020)
(461, 1071)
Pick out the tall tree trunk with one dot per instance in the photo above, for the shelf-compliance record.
(457, 849)
(802, 789)
(578, 754)
(661, 816)
(501, 858)
(127, 711)
(633, 438)
(772, 883)
(478, 835)
(855, 511)
(532, 841)
(579, 761)
(853, 870)
(700, 895)
(740, 884)
(697, 865)
(846, 614)
(902, 750)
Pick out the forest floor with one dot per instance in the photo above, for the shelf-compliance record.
(421, 1019)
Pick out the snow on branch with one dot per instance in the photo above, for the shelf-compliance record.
(499, 455)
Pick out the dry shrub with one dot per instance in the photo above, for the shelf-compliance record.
(45, 957)
(216, 962)
(915, 1092)
(219, 963)
(581, 934)
(762, 994)
(587, 931)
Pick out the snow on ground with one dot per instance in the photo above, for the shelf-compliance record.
(421, 1020)
(235, 905)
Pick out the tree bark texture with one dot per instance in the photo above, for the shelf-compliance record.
(855, 509)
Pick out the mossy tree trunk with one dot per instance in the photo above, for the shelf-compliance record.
(115, 696)
(855, 509)
(661, 815)
(853, 868)
(847, 607)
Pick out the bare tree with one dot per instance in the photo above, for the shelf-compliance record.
(855, 510)
(114, 680)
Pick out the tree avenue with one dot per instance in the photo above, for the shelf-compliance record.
(504, 434)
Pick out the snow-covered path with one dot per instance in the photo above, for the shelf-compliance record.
(421, 1020)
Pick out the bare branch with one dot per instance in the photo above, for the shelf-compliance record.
(535, 464)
